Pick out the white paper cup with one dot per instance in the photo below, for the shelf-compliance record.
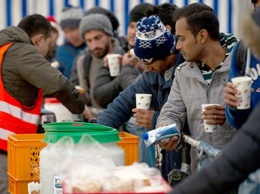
(243, 84)
(209, 127)
(143, 101)
(113, 64)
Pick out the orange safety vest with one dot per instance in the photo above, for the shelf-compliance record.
(15, 118)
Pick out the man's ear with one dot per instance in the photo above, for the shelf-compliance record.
(169, 27)
(202, 36)
(37, 39)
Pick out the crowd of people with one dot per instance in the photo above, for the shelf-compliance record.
(177, 54)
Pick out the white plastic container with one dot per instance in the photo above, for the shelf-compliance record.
(61, 112)
(159, 134)
(55, 131)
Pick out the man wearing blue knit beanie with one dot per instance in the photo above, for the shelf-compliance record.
(151, 39)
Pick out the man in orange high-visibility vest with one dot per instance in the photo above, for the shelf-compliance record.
(24, 76)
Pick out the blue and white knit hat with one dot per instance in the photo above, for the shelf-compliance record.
(153, 41)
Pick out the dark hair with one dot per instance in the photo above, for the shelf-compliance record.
(253, 1)
(138, 12)
(164, 12)
(199, 16)
(36, 24)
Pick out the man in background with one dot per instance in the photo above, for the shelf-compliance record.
(97, 31)
(66, 53)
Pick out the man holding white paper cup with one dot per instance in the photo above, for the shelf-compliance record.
(212, 115)
(160, 61)
(106, 87)
(199, 80)
(97, 31)
(238, 109)
(241, 156)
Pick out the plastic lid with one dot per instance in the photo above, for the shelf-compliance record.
(145, 136)
(103, 134)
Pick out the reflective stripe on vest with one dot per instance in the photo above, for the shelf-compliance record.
(18, 113)
(4, 133)
(14, 116)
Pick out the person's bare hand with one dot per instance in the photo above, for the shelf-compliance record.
(129, 59)
(143, 117)
(214, 114)
(169, 144)
(140, 66)
(105, 60)
(231, 95)
(87, 113)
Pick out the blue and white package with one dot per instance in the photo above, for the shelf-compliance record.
(157, 135)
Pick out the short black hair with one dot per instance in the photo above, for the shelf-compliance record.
(199, 16)
(36, 24)
(164, 12)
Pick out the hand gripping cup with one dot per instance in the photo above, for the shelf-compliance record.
(209, 127)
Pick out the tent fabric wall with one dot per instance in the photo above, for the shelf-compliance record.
(12, 11)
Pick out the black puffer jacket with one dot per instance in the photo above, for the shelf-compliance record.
(239, 158)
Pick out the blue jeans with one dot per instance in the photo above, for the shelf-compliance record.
(170, 160)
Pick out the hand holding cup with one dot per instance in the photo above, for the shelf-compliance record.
(212, 115)
(231, 95)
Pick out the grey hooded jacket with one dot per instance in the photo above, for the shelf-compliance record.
(188, 92)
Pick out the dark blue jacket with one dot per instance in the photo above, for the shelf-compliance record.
(237, 117)
(65, 55)
(239, 158)
(120, 110)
